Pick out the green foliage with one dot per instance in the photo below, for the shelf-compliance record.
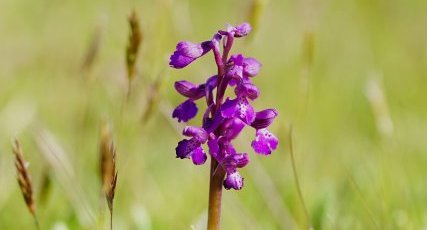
(353, 172)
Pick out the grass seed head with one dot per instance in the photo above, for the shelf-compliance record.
(135, 38)
(23, 177)
(108, 170)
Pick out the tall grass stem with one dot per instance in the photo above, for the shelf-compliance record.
(294, 170)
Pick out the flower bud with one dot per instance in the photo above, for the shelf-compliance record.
(264, 118)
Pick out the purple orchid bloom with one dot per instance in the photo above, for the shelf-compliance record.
(187, 52)
(185, 111)
(224, 118)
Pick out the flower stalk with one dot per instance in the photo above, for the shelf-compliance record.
(217, 175)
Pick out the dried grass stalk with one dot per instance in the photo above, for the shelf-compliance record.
(135, 38)
(111, 192)
(92, 50)
(152, 99)
(108, 170)
(24, 179)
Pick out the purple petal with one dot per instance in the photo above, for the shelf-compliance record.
(247, 90)
(251, 67)
(238, 107)
(187, 52)
(242, 30)
(212, 82)
(185, 148)
(179, 61)
(191, 49)
(233, 81)
(220, 148)
(232, 128)
(226, 148)
(199, 156)
(229, 108)
(198, 133)
(236, 71)
(190, 90)
(241, 160)
(230, 163)
(185, 111)
(236, 59)
(245, 110)
(210, 124)
(265, 142)
(264, 118)
(216, 40)
(233, 180)
(210, 85)
(213, 147)
(236, 66)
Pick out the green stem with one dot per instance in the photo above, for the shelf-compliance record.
(215, 193)
(294, 170)
(36, 221)
(111, 219)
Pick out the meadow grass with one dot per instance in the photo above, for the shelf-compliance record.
(338, 71)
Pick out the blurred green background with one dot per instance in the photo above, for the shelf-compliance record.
(350, 76)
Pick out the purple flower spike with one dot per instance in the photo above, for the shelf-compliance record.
(251, 67)
(242, 30)
(233, 181)
(185, 111)
(224, 118)
(187, 52)
(264, 118)
(265, 142)
(240, 108)
(188, 89)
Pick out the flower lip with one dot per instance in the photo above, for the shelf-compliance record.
(185, 148)
(191, 149)
(185, 111)
(233, 180)
(265, 142)
(264, 118)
